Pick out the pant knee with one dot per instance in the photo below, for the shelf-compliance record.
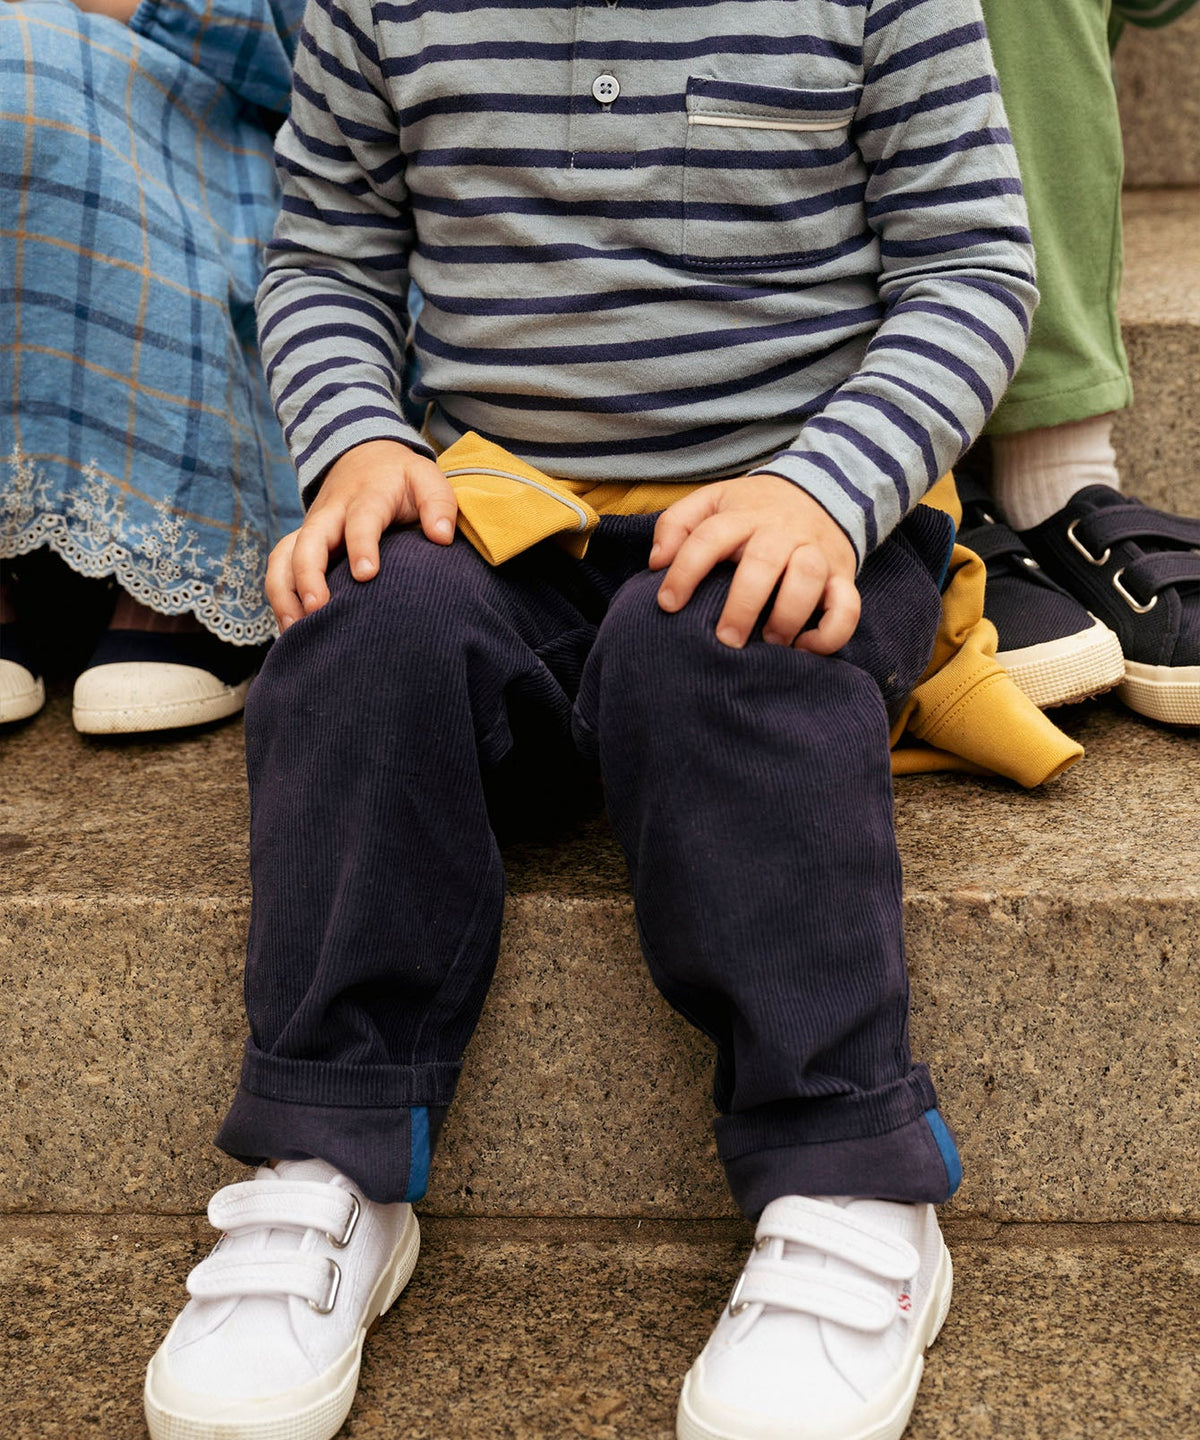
(656, 671)
(379, 645)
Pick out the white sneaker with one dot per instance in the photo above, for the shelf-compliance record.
(124, 699)
(22, 693)
(825, 1334)
(140, 680)
(269, 1346)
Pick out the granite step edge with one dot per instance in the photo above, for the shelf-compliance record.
(510, 1337)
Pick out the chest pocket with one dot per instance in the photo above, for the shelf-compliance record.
(772, 177)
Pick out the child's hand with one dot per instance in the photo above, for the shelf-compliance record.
(377, 484)
(121, 10)
(779, 536)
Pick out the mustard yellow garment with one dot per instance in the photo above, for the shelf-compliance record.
(966, 714)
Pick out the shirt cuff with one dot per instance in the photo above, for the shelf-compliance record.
(333, 439)
(857, 523)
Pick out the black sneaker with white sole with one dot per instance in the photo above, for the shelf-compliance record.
(1138, 569)
(1051, 647)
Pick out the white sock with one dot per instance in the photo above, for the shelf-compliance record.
(1035, 472)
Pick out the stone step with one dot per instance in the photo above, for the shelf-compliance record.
(1054, 941)
(1158, 83)
(1158, 440)
(584, 1330)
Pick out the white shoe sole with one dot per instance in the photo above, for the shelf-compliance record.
(1163, 692)
(23, 694)
(1063, 672)
(103, 714)
(279, 1417)
(888, 1426)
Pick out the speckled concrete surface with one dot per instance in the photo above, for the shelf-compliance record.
(1162, 249)
(1054, 947)
(1159, 89)
(584, 1333)
(170, 817)
(1158, 439)
(89, 820)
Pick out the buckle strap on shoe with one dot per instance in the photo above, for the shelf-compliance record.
(996, 542)
(837, 1232)
(286, 1205)
(1149, 574)
(844, 1299)
(1116, 523)
(314, 1278)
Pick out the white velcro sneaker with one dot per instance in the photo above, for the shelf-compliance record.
(825, 1333)
(269, 1345)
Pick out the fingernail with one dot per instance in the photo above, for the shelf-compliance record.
(443, 529)
(310, 602)
(283, 625)
(654, 549)
(772, 639)
(666, 598)
(729, 637)
(363, 567)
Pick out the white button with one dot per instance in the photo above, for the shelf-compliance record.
(606, 88)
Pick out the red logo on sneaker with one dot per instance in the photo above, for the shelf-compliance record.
(905, 1303)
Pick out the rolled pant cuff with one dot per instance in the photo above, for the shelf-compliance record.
(377, 1124)
(914, 1160)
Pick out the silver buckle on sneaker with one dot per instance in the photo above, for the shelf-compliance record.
(1078, 544)
(1128, 598)
(335, 1280)
(341, 1242)
(736, 1306)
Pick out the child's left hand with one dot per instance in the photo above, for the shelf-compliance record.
(778, 535)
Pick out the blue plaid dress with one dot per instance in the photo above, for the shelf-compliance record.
(137, 189)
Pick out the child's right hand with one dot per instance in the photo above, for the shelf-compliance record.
(370, 487)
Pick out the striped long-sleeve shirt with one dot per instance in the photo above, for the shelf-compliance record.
(656, 239)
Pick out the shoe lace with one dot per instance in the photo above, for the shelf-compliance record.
(858, 1301)
(289, 1205)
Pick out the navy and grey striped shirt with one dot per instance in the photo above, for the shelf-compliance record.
(657, 239)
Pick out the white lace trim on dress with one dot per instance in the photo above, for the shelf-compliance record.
(161, 563)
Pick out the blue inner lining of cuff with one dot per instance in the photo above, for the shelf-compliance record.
(946, 1149)
(418, 1153)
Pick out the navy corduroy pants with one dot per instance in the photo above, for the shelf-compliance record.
(750, 790)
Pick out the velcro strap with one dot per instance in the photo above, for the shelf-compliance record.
(308, 1277)
(1152, 573)
(844, 1299)
(1135, 522)
(995, 542)
(833, 1231)
(284, 1205)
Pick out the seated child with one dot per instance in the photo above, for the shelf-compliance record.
(726, 287)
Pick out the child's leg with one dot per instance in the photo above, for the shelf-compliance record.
(1055, 474)
(752, 793)
(378, 886)
(1056, 78)
(377, 899)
